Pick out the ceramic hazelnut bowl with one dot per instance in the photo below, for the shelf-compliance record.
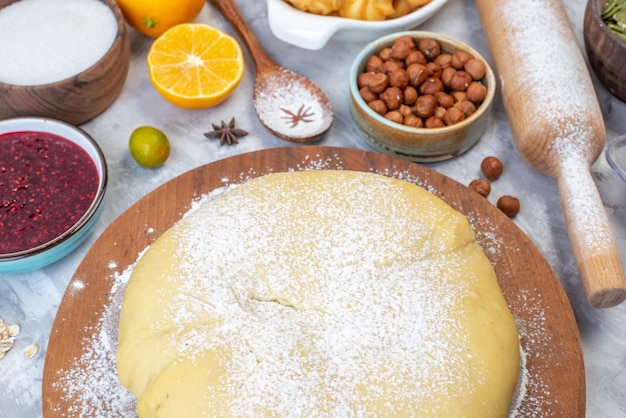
(76, 97)
(313, 31)
(52, 190)
(606, 53)
(420, 112)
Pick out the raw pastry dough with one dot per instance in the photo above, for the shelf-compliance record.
(318, 293)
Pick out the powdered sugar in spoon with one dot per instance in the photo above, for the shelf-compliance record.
(287, 104)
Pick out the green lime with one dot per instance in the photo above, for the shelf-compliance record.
(149, 146)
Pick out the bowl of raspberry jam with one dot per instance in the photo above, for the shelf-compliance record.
(53, 179)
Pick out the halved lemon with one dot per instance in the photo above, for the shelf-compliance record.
(194, 65)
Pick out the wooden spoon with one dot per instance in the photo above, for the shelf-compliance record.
(287, 104)
(557, 125)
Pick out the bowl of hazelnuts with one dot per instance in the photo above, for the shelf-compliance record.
(420, 96)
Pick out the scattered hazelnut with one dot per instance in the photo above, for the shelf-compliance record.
(481, 186)
(509, 205)
(491, 168)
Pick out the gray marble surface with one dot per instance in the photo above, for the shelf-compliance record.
(32, 299)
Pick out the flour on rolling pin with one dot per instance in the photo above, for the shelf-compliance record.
(557, 125)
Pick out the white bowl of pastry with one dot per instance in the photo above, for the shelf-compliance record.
(310, 24)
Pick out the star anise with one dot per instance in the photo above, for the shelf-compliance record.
(226, 132)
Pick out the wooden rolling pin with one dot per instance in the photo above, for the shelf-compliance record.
(557, 126)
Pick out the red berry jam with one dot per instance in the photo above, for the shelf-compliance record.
(47, 183)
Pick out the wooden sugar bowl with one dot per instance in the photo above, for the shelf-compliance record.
(77, 98)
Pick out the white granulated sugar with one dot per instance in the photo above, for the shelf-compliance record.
(290, 108)
(43, 41)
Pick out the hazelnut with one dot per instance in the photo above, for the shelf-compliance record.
(410, 95)
(460, 80)
(418, 73)
(491, 167)
(405, 110)
(413, 121)
(476, 68)
(402, 48)
(434, 70)
(453, 115)
(458, 96)
(466, 106)
(399, 78)
(443, 60)
(378, 82)
(509, 205)
(392, 97)
(394, 116)
(444, 99)
(446, 75)
(415, 57)
(378, 106)
(459, 58)
(425, 106)
(367, 94)
(434, 122)
(391, 66)
(374, 64)
(431, 86)
(430, 48)
(476, 92)
(440, 112)
(406, 40)
(481, 186)
(385, 54)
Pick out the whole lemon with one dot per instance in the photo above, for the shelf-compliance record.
(153, 17)
(149, 146)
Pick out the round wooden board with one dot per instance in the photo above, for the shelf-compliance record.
(553, 382)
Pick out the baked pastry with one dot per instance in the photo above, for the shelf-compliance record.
(359, 9)
(318, 293)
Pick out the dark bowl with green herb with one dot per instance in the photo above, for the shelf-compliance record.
(604, 31)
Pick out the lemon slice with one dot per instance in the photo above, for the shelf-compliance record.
(194, 65)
